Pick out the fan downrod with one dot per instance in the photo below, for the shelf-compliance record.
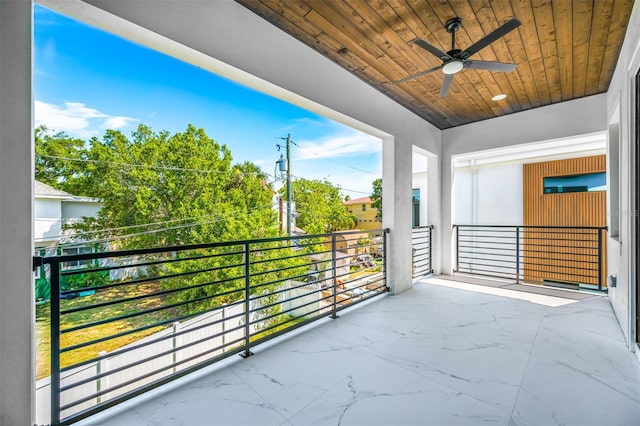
(452, 26)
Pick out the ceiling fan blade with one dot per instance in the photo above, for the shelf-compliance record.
(420, 74)
(491, 66)
(490, 38)
(432, 49)
(448, 78)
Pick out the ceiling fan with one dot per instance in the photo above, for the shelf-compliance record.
(455, 60)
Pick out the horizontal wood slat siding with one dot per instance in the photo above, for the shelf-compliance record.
(563, 209)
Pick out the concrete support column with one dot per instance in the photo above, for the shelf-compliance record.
(446, 214)
(396, 211)
(16, 242)
(433, 210)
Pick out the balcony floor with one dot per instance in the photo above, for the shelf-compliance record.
(434, 355)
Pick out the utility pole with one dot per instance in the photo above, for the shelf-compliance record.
(289, 191)
(289, 198)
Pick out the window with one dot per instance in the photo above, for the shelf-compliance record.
(577, 183)
(364, 207)
(415, 210)
(74, 264)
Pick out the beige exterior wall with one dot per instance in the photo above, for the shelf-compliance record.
(364, 213)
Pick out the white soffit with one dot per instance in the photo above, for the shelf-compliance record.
(576, 146)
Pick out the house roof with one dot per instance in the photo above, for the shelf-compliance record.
(42, 190)
(361, 200)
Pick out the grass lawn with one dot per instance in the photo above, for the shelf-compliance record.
(78, 318)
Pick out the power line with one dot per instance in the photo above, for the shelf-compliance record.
(120, 237)
(149, 166)
(339, 187)
(354, 190)
(95, 231)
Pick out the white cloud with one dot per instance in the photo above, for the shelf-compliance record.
(76, 119)
(341, 145)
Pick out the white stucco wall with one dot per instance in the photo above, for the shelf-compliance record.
(488, 195)
(47, 208)
(51, 213)
(46, 229)
(16, 196)
(621, 252)
(73, 211)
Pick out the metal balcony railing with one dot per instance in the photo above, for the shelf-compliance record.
(569, 256)
(130, 321)
(421, 240)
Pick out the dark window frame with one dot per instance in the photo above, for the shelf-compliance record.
(549, 188)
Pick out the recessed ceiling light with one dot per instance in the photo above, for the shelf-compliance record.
(499, 97)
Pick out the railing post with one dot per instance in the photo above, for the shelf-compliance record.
(175, 344)
(384, 258)
(517, 255)
(101, 384)
(457, 231)
(430, 250)
(333, 274)
(224, 328)
(55, 343)
(247, 318)
(600, 259)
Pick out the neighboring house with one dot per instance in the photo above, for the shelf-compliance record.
(365, 214)
(52, 210)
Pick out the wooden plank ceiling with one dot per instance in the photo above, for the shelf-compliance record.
(563, 50)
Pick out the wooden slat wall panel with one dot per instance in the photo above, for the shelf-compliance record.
(565, 49)
(568, 209)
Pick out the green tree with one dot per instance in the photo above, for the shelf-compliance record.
(160, 189)
(320, 206)
(376, 197)
(56, 157)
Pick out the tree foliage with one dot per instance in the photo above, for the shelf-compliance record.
(162, 189)
(320, 207)
(56, 157)
(376, 197)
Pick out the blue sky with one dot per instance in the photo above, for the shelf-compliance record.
(87, 80)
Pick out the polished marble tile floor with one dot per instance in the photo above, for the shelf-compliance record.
(439, 354)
